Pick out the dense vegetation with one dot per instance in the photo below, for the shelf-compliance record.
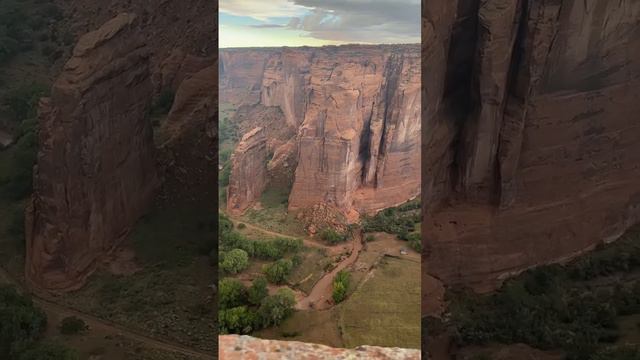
(231, 240)
(243, 310)
(341, 286)
(22, 326)
(333, 237)
(20, 103)
(25, 25)
(575, 307)
(403, 221)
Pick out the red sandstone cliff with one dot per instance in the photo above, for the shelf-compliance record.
(352, 114)
(531, 127)
(96, 169)
(249, 171)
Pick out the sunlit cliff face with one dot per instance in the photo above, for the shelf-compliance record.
(356, 122)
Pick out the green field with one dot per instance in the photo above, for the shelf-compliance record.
(385, 309)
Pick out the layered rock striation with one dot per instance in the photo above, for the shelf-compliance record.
(353, 112)
(95, 172)
(529, 148)
(249, 171)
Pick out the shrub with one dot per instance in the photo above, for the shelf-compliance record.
(21, 323)
(231, 293)
(235, 261)
(278, 272)
(275, 309)
(237, 320)
(225, 174)
(241, 226)
(341, 286)
(258, 291)
(72, 325)
(22, 101)
(332, 236)
(369, 238)
(415, 241)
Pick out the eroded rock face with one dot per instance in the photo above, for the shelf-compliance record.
(248, 171)
(531, 133)
(189, 151)
(354, 111)
(95, 171)
(234, 347)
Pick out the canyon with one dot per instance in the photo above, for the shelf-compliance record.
(98, 167)
(341, 124)
(529, 147)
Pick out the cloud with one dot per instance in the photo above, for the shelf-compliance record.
(266, 26)
(260, 9)
(360, 20)
(342, 21)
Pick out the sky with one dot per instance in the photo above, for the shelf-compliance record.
(266, 23)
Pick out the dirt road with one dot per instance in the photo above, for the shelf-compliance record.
(105, 325)
(322, 290)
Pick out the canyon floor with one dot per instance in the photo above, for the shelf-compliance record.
(587, 308)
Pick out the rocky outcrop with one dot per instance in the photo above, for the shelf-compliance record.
(95, 172)
(529, 146)
(248, 171)
(234, 347)
(354, 111)
(189, 150)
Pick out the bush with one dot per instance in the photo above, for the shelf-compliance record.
(415, 241)
(341, 286)
(400, 221)
(72, 325)
(231, 293)
(258, 291)
(21, 323)
(241, 226)
(278, 272)
(275, 309)
(332, 236)
(369, 238)
(225, 174)
(22, 101)
(235, 261)
(237, 320)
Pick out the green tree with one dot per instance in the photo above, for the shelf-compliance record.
(332, 236)
(275, 309)
(278, 272)
(258, 291)
(340, 286)
(235, 261)
(237, 320)
(231, 293)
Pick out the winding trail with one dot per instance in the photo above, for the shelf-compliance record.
(97, 323)
(333, 250)
(319, 297)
